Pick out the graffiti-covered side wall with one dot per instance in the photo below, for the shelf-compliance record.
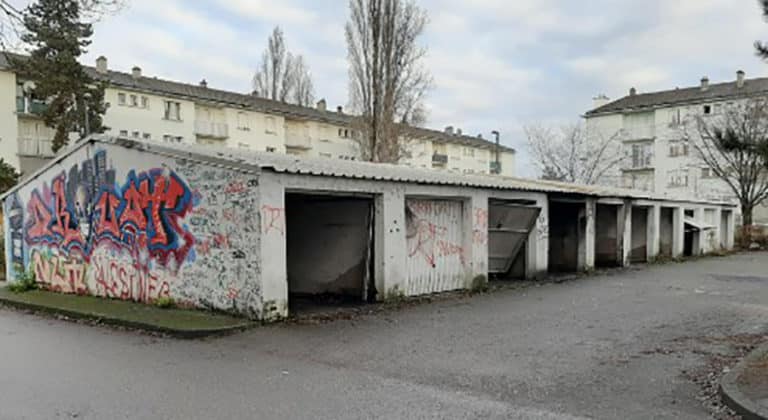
(123, 224)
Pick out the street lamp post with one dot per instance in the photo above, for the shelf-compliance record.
(497, 169)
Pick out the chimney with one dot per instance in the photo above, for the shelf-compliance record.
(101, 65)
(704, 84)
(599, 101)
(632, 92)
(449, 129)
(340, 109)
(458, 132)
(136, 72)
(740, 79)
(322, 105)
(203, 83)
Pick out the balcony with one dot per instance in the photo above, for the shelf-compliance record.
(646, 132)
(34, 147)
(298, 142)
(211, 129)
(495, 167)
(30, 107)
(439, 159)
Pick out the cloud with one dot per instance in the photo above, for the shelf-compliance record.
(283, 11)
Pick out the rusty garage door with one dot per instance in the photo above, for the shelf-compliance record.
(508, 228)
(435, 250)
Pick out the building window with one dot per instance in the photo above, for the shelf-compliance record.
(468, 151)
(172, 139)
(123, 133)
(677, 178)
(136, 134)
(172, 111)
(145, 102)
(641, 156)
(242, 121)
(134, 100)
(717, 109)
(325, 155)
(271, 149)
(707, 173)
(707, 109)
(147, 136)
(121, 99)
(271, 127)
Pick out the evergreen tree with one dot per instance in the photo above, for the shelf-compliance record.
(8, 176)
(58, 37)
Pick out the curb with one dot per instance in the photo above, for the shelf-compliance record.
(119, 322)
(732, 395)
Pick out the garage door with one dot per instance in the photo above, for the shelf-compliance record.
(508, 229)
(434, 241)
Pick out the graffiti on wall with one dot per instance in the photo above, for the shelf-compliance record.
(142, 237)
(429, 236)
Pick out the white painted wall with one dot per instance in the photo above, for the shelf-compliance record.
(8, 121)
(148, 120)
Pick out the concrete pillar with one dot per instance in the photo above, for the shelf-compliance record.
(718, 235)
(654, 232)
(273, 245)
(730, 239)
(678, 232)
(624, 232)
(475, 239)
(700, 246)
(537, 252)
(589, 239)
(390, 246)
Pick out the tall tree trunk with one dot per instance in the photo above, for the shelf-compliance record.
(746, 225)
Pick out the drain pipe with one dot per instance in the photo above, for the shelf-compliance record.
(498, 163)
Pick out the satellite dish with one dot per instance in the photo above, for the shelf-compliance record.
(29, 86)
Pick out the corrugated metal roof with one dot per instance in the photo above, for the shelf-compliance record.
(290, 164)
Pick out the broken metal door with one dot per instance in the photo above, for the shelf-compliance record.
(508, 228)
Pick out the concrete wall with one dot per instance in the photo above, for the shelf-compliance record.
(639, 249)
(8, 120)
(564, 236)
(124, 224)
(328, 243)
(607, 235)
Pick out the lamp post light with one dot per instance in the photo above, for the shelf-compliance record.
(497, 169)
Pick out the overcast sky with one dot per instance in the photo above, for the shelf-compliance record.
(497, 64)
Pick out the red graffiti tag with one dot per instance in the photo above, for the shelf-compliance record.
(273, 219)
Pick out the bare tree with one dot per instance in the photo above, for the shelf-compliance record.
(568, 154)
(11, 23)
(734, 144)
(281, 76)
(303, 88)
(387, 79)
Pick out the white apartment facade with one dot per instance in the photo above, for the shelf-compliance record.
(149, 108)
(653, 128)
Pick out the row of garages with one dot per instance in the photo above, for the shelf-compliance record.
(261, 234)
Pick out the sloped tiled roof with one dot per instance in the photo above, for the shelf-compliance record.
(718, 91)
(221, 97)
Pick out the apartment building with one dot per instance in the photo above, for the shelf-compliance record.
(652, 129)
(153, 109)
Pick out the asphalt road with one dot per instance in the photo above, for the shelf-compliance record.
(608, 346)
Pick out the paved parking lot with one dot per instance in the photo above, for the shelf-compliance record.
(626, 345)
